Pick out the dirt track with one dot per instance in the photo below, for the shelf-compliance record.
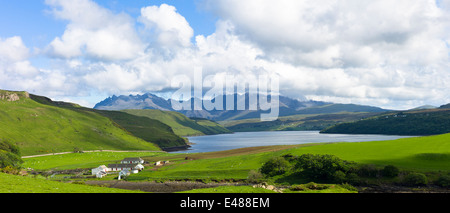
(166, 187)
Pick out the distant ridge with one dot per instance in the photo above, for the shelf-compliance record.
(146, 101)
(425, 107)
(411, 122)
(447, 106)
(288, 106)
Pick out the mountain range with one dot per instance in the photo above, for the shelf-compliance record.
(287, 107)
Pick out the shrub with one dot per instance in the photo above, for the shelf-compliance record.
(315, 186)
(9, 159)
(255, 177)
(298, 188)
(368, 170)
(10, 170)
(415, 179)
(390, 171)
(321, 167)
(443, 181)
(9, 155)
(339, 177)
(275, 166)
(352, 178)
(349, 187)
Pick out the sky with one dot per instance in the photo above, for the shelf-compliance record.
(388, 53)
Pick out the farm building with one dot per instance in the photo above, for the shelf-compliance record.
(101, 168)
(132, 160)
(101, 174)
(133, 167)
(124, 173)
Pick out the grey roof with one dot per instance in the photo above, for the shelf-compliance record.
(132, 159)
(128, 165)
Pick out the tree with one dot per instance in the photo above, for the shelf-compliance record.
(321, 167)
(275, 166)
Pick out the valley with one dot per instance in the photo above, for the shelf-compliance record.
(36, 125)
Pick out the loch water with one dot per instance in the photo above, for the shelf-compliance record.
(212, 143)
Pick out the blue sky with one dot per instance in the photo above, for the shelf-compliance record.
(33, 21)
(392, 54)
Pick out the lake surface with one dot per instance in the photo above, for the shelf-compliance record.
(212, 143)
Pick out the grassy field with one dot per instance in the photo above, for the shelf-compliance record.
(82, 160)
(422, 154)
(430, 153)
(38, 129)
(28, 184)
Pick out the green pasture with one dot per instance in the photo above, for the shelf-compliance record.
(30, 184)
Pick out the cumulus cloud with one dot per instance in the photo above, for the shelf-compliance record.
(18, 73)
(384, 53)
(360, 51)
(14, 64)
(94, 32)
(169, 28)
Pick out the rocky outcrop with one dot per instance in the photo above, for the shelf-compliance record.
(13, 96)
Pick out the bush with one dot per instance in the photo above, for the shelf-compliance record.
(415, 179)
(349, 187)
(339, 177)
(9, 155)
(255, 177)
(275, 166)
(390, 171)
(10, 170)
(353, 178)
(368, 170)
(9, 159)
(443, 181)
(321, 167)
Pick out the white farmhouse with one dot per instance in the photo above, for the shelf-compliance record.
(101, 168)
(133, 167)
(132, 160)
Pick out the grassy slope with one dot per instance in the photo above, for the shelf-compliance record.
(430, 153)
(19, 184)
(38, 128)
(420, 122)
(150, 130)
(181, 125)
(295, 122)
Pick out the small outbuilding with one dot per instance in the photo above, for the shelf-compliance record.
(101, 174)
(101, 168)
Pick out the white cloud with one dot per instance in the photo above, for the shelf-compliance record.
(14, 64)
(385, 53)
(359, 50)
(94, 32)
(169, 28)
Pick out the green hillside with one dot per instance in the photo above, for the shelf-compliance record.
(145, 128)
(38, 128)
(423, 122)
(181, 125)
(313, 122)
(148, 129)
